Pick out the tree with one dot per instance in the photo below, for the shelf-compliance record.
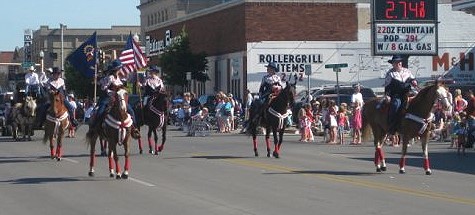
(178, 59)
(79, 84)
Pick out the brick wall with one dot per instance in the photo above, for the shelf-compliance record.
(229, 30)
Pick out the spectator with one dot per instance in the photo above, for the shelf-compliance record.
(342, 122)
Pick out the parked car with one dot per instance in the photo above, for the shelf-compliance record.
(367, 93)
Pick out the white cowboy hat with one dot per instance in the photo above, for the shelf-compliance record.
(32, 68)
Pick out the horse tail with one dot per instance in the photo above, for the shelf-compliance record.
(366, 128)
(91, 136)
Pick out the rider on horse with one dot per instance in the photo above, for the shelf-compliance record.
(397, 85)
(110, 84)
(32, 83)
(57, 85)
(270, 84)
(153, 84)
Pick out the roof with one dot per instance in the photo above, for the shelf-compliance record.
(6, 57)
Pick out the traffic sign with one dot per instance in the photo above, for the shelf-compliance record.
(339, 65)
(27, 64)
(308, 69)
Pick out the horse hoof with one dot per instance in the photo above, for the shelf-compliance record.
(256, 153)
(150, 151)
(141, 151)
(275, 154)
(428, 172)
(383, 168)
(91, 174)
(124, 176)
(118, 176)
(378, 169)
(401, 171)
(268, 154)
(156, 153)
(58, 159)
(111, 175)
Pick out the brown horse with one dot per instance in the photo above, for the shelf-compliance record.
(116, 130)
(415, 123)
(56, 124)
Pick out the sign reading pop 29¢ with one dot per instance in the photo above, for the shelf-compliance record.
(405, 38)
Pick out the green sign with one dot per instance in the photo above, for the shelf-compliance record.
(340, 65)
(27, 65)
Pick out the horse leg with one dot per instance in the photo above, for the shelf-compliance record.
(402, 161)
(150, 140)
(425, 154)
(275, 153)
(254, 144)
(92, 155)
(59, 145)
(111, 161)
(267, 138)
(139, 140)
(125, 175)
(51, 148)
(117, 165)
(155, 138)
(164, 138)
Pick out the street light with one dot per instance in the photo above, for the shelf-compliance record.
(42, 58)
(62, 45)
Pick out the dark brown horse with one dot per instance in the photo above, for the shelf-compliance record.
(116, 130)
(56, 124)
(155, 116)
(415, 122)
(274, 120)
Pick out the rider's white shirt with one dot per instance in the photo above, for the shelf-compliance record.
(154, 82)
(58, 83)
(401, 76)
(271, 79)
(32, 78)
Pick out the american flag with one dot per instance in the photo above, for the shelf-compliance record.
(132, 57)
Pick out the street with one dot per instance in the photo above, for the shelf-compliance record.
(219, 174)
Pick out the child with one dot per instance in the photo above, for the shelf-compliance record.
(342, 122)
(305, 124)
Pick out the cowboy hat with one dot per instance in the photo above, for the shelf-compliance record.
(273, 66)
(396, 58)
(56, 70)
(154, 68)
(32, 68)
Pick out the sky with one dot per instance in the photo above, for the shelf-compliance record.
(18, 15)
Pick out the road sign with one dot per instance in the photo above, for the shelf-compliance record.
(27, 64)
(308, 69)
(339, 65)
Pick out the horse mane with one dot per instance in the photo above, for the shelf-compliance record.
(422, 94)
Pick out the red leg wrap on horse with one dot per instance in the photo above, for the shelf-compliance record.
(150, 142)
(254, 143)
(52, 151)
(426, 163)
(161, 147)
(402, 162)
(377, 157)
(117, 166)
(278, 146)
(58, 151)
(92, 159)
(110, 163)
(381, 154)
(127, 164)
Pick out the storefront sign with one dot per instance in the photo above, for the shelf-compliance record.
(405, 38)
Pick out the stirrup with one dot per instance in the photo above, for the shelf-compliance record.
(135, 133)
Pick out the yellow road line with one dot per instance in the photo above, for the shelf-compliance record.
(357, 182)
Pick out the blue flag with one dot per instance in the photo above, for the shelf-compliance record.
(84, 58)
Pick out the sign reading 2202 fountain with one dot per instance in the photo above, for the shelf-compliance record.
(404, 27)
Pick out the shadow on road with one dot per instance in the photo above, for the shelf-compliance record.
(44, 180)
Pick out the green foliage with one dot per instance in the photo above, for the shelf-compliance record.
(79, 84)
(178, 59)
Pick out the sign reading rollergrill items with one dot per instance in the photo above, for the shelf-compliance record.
(405, 38)
(404, 27)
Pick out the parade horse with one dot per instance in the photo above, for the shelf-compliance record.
(274, 119)
(23, 117)
(416, 122)
(116, 130)
(156, 113)
(56, 124)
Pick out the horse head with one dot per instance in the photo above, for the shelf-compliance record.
(160, 100)
(119, 103)
(29, 107)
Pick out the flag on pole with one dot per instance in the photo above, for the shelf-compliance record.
(84, 58)
(132, 57)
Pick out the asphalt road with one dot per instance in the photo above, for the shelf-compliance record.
(218, 174)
